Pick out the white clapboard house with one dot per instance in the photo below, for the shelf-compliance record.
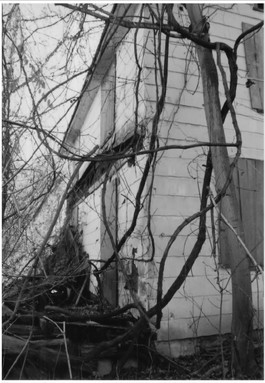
(116, 111)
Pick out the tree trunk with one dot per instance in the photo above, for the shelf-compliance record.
(243, 359)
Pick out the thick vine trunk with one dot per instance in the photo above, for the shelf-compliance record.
(243, 359)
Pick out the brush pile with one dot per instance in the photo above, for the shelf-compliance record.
(55, 328)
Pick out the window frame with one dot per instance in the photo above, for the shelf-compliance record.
(257, 8)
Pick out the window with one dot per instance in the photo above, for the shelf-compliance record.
(248, 179)
(254, 48)
(258, 7)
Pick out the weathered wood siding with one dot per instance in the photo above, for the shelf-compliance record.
(112, 111)
(130, 174)
(126, 80)
(89, 135)
(129, 177)
(89, 217)
(198, 305)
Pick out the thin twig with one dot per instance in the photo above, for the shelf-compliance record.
(62, 331)
(82, 289)
(48, 234)
(19, 355)
(67, 353)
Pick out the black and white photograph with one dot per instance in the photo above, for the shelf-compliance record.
(132, 190)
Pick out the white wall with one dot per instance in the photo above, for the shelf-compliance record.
(89, 135)
(129, 177)
(89, 217)
(89, 209)
(90, 213)
(195, 309)
(126, 75)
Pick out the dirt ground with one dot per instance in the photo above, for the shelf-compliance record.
(206, 365)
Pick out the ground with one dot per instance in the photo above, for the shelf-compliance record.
(207, 364)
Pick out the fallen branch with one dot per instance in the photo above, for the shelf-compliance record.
(42, 352)
(25, 345)
(62, 331)
(94, 317)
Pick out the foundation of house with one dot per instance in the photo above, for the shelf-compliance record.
(190, 346)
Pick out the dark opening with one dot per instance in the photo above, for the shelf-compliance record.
(259, 7)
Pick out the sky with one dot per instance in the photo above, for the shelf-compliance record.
(51, 53)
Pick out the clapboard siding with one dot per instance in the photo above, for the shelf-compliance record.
(126, 74)
(89, 134)
(204, 266)
(178, 175)
(194, 327)
(195, 309)
(181, 247)
(129, 178)
(231, 14)
(170, 186)
(172, 206)
(174, 166)
(90, 224)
